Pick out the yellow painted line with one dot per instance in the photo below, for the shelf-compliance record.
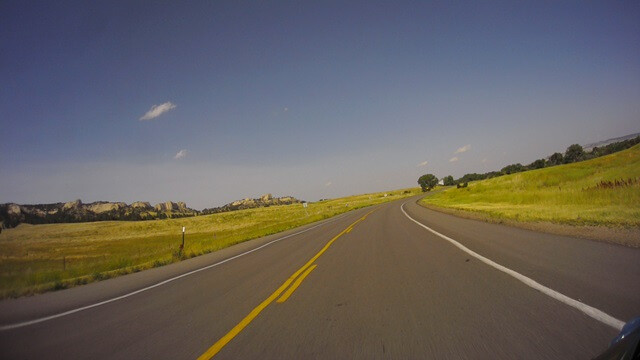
(349, 230)
(242, 324)
(295, 285)
(215, 348)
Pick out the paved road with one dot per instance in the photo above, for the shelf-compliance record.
(383, 287)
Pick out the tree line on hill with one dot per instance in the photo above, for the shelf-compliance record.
(574, 153)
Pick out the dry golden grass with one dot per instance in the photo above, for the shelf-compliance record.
(36, 258)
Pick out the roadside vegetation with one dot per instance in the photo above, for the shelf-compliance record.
(574, 153)
(39, 258)
(602, 191)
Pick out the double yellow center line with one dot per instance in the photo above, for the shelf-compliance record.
(296, 279)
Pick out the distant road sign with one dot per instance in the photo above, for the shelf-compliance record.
(183, 228)
(304, 204)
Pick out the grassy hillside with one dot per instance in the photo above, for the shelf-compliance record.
(568, 194)
(36, 258)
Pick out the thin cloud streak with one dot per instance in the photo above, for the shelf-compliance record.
(463, 149)
(453, 159)
(157, 110)
(424, 163)
(182, 153)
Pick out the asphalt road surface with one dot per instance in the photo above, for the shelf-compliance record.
(371, 284)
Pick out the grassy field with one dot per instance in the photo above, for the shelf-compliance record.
(38, 258)
(566, 194)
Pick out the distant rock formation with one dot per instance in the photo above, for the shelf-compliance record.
(11, 215)
(75, 211)
(263, 201)
(141, 205)
(171, 206)
(101, 207)
(72, 205)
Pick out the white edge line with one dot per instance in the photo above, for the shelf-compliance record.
(87, 307)
(588, 310)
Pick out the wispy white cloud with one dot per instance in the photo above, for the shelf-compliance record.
(328, 184)
(463, 149)
(157, 110)
(182, 153)
(453, 159)
(280, 112)
(484, 160)
(424, 163)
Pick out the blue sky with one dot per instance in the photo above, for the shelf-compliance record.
(211, 101)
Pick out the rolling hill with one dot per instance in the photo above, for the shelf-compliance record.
(604, 191)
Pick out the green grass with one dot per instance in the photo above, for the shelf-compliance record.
(565, 194)
(38, 258)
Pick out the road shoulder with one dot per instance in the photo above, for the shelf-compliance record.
(621, 236)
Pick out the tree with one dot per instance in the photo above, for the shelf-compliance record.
(448, 180)
(555, 159)
(513, 168)
(471, 177)
(538, 164)
(427, 182)
(492, 174)
(574, 153)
